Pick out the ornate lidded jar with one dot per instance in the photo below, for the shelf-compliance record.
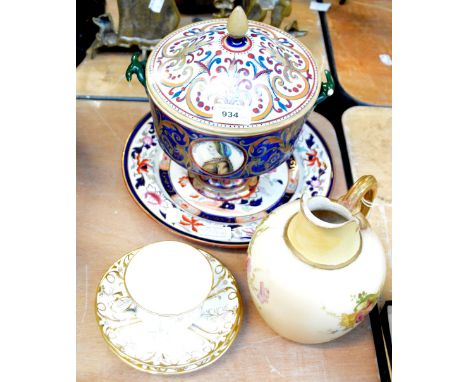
(229, 98)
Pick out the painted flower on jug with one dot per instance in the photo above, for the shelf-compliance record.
(263, 294)
(364, 304)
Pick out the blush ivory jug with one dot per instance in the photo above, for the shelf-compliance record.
(315, 267)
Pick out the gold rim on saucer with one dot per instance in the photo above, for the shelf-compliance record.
(164, 348)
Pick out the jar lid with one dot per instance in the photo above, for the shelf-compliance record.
(232, 76)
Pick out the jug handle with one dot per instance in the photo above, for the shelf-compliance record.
(136, 67)
(360, 196)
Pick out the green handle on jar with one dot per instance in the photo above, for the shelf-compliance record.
(327, 88)
(136, 67)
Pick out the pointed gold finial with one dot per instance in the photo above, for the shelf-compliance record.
(237, 24)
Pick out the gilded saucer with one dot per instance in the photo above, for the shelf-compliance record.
(168, 344)
(164, 191)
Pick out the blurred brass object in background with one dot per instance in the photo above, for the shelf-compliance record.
(258, 9)
(224, 7)
(141, 24)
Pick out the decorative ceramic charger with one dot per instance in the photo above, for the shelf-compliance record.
(163, 189)
(168, 344)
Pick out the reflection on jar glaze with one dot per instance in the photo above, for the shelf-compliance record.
(217, 157)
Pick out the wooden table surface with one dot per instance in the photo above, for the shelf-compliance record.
(368, 132)
(360, 31)
(110, 224)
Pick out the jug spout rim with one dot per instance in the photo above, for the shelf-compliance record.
(324, 234)
(316, 203)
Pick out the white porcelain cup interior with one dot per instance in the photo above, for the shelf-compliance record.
(169, 278)
(313, 204)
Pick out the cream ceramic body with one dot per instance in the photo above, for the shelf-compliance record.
(156, 275)
(309, 303)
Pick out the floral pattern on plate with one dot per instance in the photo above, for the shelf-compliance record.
(162, 188)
